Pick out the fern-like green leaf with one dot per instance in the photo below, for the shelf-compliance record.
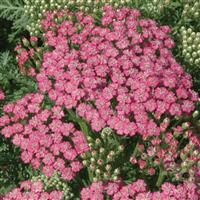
(14, 84)
(13, 10)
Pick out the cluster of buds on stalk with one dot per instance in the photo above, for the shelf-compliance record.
(188, 166)
(191, 9)
(190, 46)
(171, 152)
(55, 182)
(29, 56)
(154, 8)
(35, 9)
(102, 160)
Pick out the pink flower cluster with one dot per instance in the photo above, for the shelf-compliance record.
(114, 74)
(166, 151)
(24, 55)
(138, 191)
(45, 138)
(2, 96)
(32, 191)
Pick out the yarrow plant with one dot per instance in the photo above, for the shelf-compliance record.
(122, 73)
(111, 100)
(33, 190)
(138, 190)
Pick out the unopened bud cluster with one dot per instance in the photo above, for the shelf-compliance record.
(178, 158)
(191, 9)
(102, 159)
(55, 182)
(155, 7)
(36, 8)
(188, 165)
(190, 46)
(28, 53)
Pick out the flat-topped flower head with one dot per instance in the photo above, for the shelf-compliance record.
(33, 190)
(124, 66)
(46, 140)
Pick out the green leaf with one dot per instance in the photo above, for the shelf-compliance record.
(13, 10)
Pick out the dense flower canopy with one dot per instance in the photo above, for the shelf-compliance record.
(115, 74)
(33, 190)
(118, 73)
(43, 136)
(138, 190)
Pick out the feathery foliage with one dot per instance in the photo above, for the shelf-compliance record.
(14, 84)
(13, 10)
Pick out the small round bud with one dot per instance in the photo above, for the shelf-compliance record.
(85, 163)
(107, 131)
(106, 175)
(195, 114)
(97, 141)
(108, 167)
(25, 42)
(94, 153)
(121, 148)
(98, 171)
(92, 160)
(112, 153)
(115, 178)
(101, 150)
(189, 30)
(95, 179)
(109, 157)
(184, 164)
(92, 167)
(185, 125)
(90, 145)
(196, 153)
(116, 171)
(100, 162)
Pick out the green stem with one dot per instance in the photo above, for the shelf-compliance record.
(85, 130)
(84, 127)
(136, 149)
(160, 177)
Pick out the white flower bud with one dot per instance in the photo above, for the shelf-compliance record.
(115, 178)
(92, 160)
(94, 153)
(85, 163)
(95, 179)
(101, 150)
(108, 167)
(97, 141)
(100, 162)
(116, 171)
(98, 171)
